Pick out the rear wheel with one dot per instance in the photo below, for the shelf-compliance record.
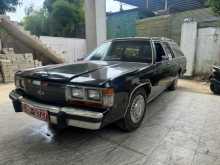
(174, 85)
(135, 112)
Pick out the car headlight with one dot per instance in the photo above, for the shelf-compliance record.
(102, 96)
(78, 92)
(93, 94)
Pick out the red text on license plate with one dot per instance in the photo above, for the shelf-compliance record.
(35, 112)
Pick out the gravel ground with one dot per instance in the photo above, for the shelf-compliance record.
(182, 128)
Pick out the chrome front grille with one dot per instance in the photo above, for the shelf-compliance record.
(46, 91)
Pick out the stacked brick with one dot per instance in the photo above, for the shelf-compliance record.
(10, 62)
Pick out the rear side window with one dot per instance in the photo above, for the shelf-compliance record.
(160, 53)
(176, 50)
(168, 50)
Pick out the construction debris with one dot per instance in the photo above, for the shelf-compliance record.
(10, 62)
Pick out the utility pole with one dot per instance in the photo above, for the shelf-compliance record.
(121, 6)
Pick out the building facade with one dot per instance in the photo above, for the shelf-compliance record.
(166, 5)
(123, 23)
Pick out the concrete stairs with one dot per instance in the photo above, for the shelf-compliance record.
(30, 40)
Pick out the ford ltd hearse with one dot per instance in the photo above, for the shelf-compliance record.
(114, 84)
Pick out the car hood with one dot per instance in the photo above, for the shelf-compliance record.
(88, 72)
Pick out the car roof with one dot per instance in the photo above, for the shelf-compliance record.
(142, 39)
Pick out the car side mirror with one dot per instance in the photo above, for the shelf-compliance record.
(165, 58)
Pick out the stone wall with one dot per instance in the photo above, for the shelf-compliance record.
(10, 62)
(154, 27)
(170, 25)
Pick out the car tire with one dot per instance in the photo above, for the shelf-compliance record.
(214, 89)
(17, 106)
(173, 86)
(137, 106)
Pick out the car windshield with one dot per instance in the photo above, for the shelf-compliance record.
(127, 51)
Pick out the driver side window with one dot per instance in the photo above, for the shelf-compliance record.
(160, 53)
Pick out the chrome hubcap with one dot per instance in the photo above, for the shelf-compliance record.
(137, 108)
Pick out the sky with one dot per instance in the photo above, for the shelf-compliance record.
(111, 5)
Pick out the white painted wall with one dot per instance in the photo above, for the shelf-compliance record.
(208, 50)
(201, 47)
(71, 48)
(188, 44)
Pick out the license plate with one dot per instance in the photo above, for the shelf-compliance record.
(35, 112)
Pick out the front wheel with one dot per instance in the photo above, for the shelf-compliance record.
(135, 112)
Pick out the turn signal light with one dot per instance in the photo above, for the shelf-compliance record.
(108, 97)
(108, 92)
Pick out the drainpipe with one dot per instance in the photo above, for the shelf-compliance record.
(166, 5)
(146, 4)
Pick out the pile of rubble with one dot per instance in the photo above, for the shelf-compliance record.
(10, 62)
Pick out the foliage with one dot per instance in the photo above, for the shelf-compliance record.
(8, 6)
(215, 5)
(36, 22)
(62, 18)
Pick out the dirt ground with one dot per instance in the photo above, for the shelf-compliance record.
(194, 86)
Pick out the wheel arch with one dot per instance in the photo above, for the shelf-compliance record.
(147, 88)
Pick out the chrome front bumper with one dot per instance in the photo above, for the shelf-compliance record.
(65, 115)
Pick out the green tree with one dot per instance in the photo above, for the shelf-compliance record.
(36, 23)
(215, 5)
(65, 17)
(8, 5)
(62, 18)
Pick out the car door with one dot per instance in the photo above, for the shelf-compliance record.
(172, 63)
(163, 69)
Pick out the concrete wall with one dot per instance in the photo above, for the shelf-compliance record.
(154, 27)
(201, 47)
(208, 50)
(71, 48)
(170, 25)
(189, 45)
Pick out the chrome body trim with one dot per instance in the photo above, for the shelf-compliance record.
(85, 97)
(80, 112)
(67, 110)
(84, 124)
(131, 94)
(78, 123)
(49, 108)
